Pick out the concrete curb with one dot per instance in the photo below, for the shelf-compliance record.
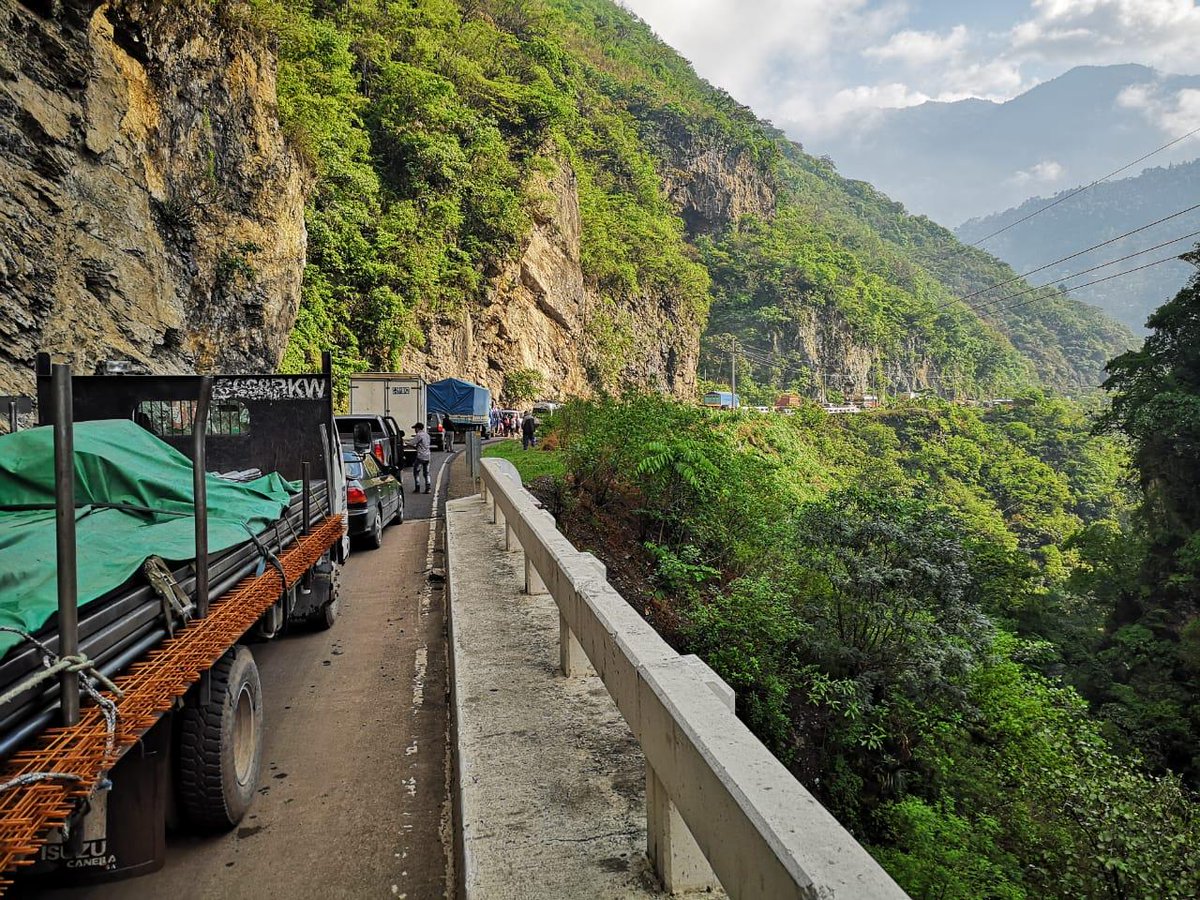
(464, 865)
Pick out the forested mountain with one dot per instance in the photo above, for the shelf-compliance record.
(469, 155)
(487, 186)
(953, 161)
(1095, 216)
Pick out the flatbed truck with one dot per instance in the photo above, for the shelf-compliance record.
(153, 699)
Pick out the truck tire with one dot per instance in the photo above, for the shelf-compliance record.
(220, 745)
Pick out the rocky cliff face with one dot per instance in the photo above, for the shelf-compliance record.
(151, 210)
(540, 313)
(149, 206)
(712, 186)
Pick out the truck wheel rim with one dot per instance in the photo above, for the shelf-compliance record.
(245, 735)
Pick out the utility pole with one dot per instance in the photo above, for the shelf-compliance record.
(733, 366)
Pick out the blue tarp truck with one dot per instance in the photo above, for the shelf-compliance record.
(467, 405)
(721, 400)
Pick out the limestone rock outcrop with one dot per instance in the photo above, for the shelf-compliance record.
(150, 208)
(712, 187)
(539, 313)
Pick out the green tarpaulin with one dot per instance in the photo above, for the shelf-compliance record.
(115, 462)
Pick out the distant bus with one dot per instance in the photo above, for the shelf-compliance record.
(721, 400)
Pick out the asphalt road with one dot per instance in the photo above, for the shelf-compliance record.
(354, 798)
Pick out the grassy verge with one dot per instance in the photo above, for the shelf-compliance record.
(530, 463)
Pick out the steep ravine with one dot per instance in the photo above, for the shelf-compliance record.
(150, 208)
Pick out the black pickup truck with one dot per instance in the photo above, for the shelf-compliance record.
(378, 436)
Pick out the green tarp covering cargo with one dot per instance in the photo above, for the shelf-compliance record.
(133, 496)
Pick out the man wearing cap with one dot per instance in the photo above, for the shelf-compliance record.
(421, 460)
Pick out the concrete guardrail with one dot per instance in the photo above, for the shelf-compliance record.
(720, 807)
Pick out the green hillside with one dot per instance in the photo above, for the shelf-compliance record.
(1104, 213)
(426, 123)
(915, 606)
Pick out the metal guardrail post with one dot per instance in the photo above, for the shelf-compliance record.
(200, 494)
(474, 454)
(64, 515)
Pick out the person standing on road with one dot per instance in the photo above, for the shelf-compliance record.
(448, 430)
(421, 460)
(528, 427)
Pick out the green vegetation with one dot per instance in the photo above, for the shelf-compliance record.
(1105, 211)
(901, 601)
(957, 627)
(522, 385)
(834, 253)
(786, 285)
(434, 129)
(1067, 342)
(532, 464)
(1147, 676)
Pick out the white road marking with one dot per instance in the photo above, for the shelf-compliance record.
(422, 655)
(420, 664)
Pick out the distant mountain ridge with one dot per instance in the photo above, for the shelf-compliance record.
(955, 161)
(1098, 215)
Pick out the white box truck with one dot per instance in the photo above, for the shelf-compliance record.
(394, 394)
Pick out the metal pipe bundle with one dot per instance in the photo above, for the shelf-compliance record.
(117, 629)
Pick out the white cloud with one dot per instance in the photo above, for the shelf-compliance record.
(757, 47)
(920, 48)
(1161, 33)
(850, 107)
(1175, 113)
(1043, 174)
(823, 67)
(777, 55)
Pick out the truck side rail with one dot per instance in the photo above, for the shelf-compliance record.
(760, 830)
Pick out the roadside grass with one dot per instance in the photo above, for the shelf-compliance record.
(530, 463)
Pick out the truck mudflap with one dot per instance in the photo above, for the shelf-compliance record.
(50, 780)
(121, 830)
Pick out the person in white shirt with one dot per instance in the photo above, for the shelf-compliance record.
(421, 462)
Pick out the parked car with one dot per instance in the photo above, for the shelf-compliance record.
(380, 436)
(374, 497)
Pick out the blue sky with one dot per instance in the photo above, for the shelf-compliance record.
(820, 68)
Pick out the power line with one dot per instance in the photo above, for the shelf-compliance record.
(763, 358)
(1111, 262)
(1157, 262)
(1073, 256)
(1078, 191)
